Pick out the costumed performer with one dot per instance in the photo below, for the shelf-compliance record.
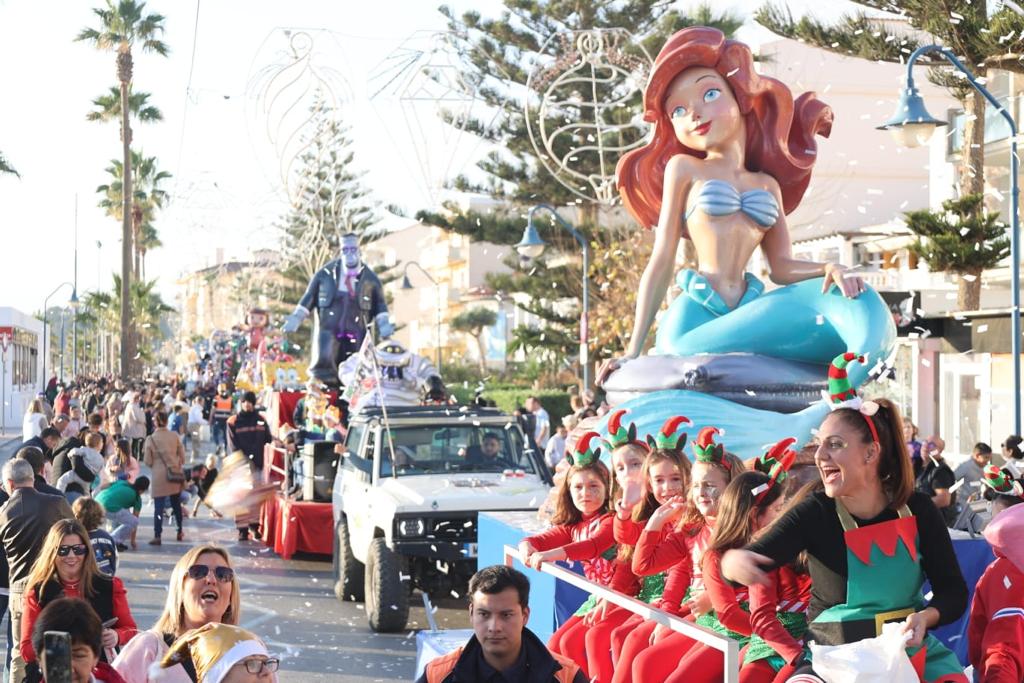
(581, 530)
(995, 632)
(675, 539)
(870, 538)
(665, 476)
(348, 296)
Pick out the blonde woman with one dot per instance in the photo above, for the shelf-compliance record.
(35, 420)
(203, 590)
(66, 568)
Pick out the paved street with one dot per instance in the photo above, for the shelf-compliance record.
(290, 604)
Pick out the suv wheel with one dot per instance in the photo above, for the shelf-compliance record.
(387, 599)
(348, 571)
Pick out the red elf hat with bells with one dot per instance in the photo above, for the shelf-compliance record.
(665, 438)
(582, 454)
(1002, 481)
(776, 463)
(706, 450)
(619, 435)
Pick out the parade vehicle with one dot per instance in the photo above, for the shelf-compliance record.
(406, 495)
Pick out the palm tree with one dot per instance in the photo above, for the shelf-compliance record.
(98, 313)
(148, 239)
(108, 107)
(5, 166)
(122, 25)
(146, 199)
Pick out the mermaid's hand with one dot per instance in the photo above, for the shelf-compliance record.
(850, 285)
(610, 366)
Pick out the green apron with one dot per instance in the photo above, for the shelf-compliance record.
(883, 584)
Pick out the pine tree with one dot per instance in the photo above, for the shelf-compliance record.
(330, 200)
(501, 52)
(982, 42)
(961, 239)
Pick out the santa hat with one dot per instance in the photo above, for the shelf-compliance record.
(214, 649)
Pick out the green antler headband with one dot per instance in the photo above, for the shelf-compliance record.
(706, 450)
(776, 463)
(1002, 481)
(665, 438)
(583, 455)
(619, 435)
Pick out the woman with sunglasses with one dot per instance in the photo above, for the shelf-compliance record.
(870, 538)
(203, 590)
(66, 568)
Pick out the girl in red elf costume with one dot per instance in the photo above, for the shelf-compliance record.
(651, 652)
(627, 459)
(995, 634)
(581, 531)
(665, 475)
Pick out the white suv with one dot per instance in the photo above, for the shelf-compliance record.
(406, 503)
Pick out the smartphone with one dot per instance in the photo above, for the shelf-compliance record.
(56, 661)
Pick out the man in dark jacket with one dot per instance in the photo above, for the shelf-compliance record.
(35, 457)
(249, 432)
(502, 649)
(24, 523)
(46, 442)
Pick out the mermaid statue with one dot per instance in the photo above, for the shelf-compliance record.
(730, 156)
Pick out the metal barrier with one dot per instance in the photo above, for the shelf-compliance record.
(727, 646)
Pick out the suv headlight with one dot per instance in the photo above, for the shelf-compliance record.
(415, 526)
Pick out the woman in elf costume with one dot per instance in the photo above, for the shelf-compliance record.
(871, 540)
(581, 531)
(651, 652)
(995, 636)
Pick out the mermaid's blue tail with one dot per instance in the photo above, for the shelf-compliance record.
(797, 323)
(747, 432)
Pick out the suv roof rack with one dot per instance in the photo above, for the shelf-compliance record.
(430, 411)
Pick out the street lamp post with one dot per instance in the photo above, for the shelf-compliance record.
(46, 303)
(406, 284)
(912, 125)
(74, 334)
(63, 342)
(532, 246)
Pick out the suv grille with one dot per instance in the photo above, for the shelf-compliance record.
(452, 528)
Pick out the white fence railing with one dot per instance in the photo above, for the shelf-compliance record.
(727, 646)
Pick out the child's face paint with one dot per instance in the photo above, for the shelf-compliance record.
(707, 482)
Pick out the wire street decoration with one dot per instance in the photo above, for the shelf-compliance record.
(288, 98)
(582, 107)
(431, 80)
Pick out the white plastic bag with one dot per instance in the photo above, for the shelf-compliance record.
(882, 659)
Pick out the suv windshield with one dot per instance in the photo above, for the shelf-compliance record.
(462, 448)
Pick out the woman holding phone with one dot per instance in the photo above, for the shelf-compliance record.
(67, 568)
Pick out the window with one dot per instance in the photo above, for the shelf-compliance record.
(456, 448)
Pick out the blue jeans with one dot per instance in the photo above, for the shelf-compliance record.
(158, 512)
(220, 434)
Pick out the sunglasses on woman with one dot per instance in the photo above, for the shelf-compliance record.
(201, 571)
(255, 666)
(78, 549)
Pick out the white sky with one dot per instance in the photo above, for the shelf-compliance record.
(223, 193)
